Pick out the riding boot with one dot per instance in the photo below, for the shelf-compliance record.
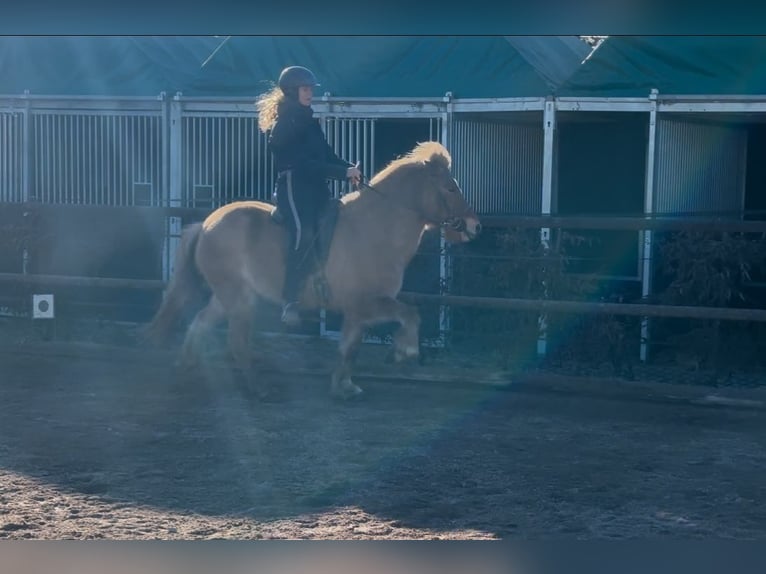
(298, 260)
(290, 310)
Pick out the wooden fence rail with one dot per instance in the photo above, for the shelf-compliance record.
(499, 303)
(656, 222)
(26, 212)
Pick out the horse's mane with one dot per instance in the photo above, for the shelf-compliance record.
(430, 151)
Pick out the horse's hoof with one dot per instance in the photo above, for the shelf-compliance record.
(268, 394)
(352, 395)
(271, 398)
(290, 316)
(347, 392)
(407, 354)
(186, 368)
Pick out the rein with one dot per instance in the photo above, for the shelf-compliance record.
(456, 223)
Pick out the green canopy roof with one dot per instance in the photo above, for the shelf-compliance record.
(690, 65)
(364, 66)
(385, 66)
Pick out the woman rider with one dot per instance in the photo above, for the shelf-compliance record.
(304, 162)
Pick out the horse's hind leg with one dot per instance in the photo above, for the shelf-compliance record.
(204, 321)
(240, 314)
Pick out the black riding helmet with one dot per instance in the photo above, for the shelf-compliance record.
(293, 77)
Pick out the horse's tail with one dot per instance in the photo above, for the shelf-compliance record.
(186, 289)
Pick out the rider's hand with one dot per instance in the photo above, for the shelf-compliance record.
(354, 174)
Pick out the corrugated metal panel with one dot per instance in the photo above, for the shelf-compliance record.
(11, 159)
(224, 158)
(96, 158)
(700, 167)
(499, 166)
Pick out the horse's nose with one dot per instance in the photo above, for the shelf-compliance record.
(478, 228)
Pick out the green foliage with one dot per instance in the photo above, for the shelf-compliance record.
(693, 268)
(515, 263)
(706, 268)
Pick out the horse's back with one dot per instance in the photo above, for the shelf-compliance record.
(248, 209)
(241, 227)
(242, 245)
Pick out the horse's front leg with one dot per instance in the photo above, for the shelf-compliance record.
(351, 339)
(366, 314)
(406, 339)
(407, 336)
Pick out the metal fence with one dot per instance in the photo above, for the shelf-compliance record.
(183, 152)
(124, 151)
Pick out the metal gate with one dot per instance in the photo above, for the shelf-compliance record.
(224, 158)
(86, 151)
(96, 158)
(97, 152)
(353, 139)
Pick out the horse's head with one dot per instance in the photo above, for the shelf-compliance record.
(442, 202)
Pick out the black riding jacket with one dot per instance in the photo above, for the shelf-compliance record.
(298, 144)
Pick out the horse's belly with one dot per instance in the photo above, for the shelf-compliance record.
(352, 283)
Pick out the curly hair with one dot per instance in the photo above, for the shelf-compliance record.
(267, 105)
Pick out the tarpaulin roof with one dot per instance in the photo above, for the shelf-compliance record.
(363, 66)
(690, 65)
(86, 65)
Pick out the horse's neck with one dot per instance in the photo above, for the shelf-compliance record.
(393, 226)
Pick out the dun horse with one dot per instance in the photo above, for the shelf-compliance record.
(237, 255)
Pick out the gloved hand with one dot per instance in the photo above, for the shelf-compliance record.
(354, 175)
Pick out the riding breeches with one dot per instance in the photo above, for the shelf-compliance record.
(300, 205)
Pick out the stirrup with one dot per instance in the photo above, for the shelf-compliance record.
(290, 315)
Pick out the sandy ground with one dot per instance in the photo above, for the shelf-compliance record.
(115, 447)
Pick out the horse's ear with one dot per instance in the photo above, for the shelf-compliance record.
(438, 162)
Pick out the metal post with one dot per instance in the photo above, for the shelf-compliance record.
(164, 185)
(325, 121)
(26, 144)
(174, 185)
(26, 153)
(445, 262)
(323, 312)
(646, 275)
(549, 127)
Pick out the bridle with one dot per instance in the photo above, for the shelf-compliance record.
(454, 222)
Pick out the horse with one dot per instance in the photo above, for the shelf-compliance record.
(237, 255)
